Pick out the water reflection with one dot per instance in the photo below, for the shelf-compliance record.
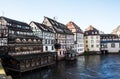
(85, 67)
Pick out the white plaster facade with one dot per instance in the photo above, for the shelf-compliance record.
(111, 49)
(110, 43)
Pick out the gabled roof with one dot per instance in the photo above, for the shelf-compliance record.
(16, 25)
(43, 27)
(78, 29)
(14, 21)
(91, 31)
(59, 27)
(91, 28)
(116, 30)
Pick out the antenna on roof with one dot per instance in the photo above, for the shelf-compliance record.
(55, 18)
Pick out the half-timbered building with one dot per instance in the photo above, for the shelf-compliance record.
(63, 36)
(78, 37)
(46, 34)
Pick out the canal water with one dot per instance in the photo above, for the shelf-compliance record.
(85, 67)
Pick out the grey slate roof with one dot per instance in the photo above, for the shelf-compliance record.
(43, 27)
(78, 29)
(59, 27)
(14, 24)
(14, 21)
(90, 30)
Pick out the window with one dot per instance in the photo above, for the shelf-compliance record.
(97, 37)
(97, 46)
(92, 46)
(3, 41)
(86, 41)
(97, 41)
(35, 40)
(3, 31)
(92, 41)
(45, 41)
(113, 45)
(29, 40)
(46, 48)
(92, 32)
(52, 47)
(86, 33)
(105, 45)
(86, 45)
(18, 40)
(60, 52)
(24, 40)
(86, 37)
(18, 32)
(119, 45)
(95, 32)
(91, 37)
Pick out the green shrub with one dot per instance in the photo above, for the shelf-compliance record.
(86, 53)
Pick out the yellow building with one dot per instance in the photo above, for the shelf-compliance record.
(92, 40)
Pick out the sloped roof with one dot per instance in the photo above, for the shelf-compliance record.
(14, 21)
(23, 26)
(116, 30)
(91, 28)
(91, 31)
(43, 27)
(78, 29)
(59, 27)
(109, 35)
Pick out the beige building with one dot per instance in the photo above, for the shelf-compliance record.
(92, 40)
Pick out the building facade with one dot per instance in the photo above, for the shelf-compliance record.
(78, 37)
(63, 36)
(92, 40)
(110, 43)
(46, 34)
(20, 49)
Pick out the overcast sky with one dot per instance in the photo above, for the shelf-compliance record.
(102, 14)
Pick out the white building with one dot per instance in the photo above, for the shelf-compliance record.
(78, 37)
(92, 40)
(47, 35)
(110, 43)
(63, 36)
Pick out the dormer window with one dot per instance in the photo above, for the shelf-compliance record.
(18, 40)
(29, 40)
(18, 32)
(12, 32)
(38, 40)
(24, 40)
(95, 32)
(34, 40)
